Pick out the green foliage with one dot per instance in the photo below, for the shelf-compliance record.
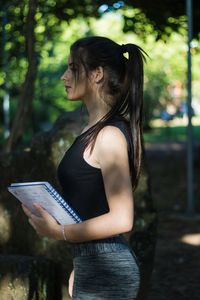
(166, 65)
(156, 82)
(136, 21)
(166, 16)
(59, 25)
(50, 94)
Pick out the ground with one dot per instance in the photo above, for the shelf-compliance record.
(176, 274)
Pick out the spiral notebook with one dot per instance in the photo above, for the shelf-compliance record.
(44, 194)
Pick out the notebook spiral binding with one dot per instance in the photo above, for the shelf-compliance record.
(63, 203)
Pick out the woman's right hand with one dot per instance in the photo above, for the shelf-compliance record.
(71, 283)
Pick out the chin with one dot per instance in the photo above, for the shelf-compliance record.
(71, 98)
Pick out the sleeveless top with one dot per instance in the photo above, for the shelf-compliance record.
(81, 183)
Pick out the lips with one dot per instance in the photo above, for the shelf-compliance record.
(67, 87)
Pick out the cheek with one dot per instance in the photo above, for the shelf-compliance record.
(73, 92)
(69, 76)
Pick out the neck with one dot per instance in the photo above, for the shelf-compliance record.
(96, 108)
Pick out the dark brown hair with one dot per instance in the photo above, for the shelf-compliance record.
(124, 84)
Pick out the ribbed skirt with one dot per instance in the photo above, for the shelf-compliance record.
(104, 270)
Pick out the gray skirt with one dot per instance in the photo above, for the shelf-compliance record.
(104, 270)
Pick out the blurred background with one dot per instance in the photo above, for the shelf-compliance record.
(39, 46)
(35, 41)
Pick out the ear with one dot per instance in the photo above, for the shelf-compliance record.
(98, 74)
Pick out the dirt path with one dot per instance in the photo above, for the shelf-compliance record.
(176, 273)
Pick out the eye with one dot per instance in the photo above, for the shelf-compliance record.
(72, 67)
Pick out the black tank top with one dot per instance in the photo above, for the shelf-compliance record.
(82, 184)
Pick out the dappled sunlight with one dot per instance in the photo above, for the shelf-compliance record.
(173, 130)
(14, 288)
(175, 122)
(192, 239)
(26, 277)
(5, 225)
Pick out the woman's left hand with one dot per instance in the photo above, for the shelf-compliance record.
(43, 223)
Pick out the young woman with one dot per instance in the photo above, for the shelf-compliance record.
(100, 171)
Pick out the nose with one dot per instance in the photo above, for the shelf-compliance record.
(64, 76)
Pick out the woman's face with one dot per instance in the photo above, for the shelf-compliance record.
(76, 90)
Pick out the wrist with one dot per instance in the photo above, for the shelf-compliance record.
(64, 237)
(58, 233)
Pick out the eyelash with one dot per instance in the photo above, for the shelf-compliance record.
(73, 69)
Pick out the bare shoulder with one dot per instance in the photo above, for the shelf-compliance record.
(111, 140)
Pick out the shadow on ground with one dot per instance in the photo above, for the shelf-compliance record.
(177, 261)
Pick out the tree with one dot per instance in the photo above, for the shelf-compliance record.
(165, 16)
(27, 94)
(46, 26)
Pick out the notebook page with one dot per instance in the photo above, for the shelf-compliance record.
(28, 195)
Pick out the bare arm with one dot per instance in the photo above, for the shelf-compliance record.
(112, 156)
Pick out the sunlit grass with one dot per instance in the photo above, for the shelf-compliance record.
(175, 130)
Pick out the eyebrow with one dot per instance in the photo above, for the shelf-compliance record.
(71, 64)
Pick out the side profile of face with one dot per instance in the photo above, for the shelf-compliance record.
(76, 89)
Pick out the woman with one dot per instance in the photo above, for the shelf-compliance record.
(100, 171)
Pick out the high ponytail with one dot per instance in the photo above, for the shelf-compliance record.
(134, 87)
(124, 84)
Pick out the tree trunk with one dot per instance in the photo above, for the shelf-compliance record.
(26, 98)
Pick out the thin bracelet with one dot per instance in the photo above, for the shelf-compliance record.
(63, 232)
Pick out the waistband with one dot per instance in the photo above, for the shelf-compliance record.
(111, 244)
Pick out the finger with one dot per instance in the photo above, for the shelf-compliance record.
(34, 227)
(31, 222)
(24, 206)
(26, 210)
(40, 209)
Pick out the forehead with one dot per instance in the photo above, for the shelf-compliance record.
(69, 61)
